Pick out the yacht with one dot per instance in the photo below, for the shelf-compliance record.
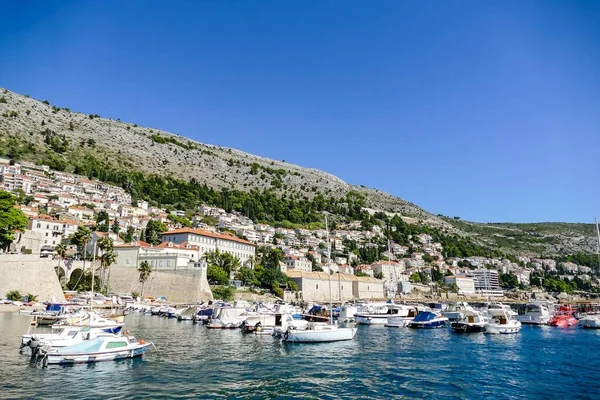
(563, 318)
(536, 313)
(382, 313)
(227, 318)
(502, 320)
(456, 311)
(400, 321)
(429, 320)
(590, 322)
(471, 321)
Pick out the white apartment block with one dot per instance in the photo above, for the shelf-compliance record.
(207, 241)
(298, 263)
(466, 285)
(52, 231)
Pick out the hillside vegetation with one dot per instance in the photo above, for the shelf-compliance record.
(170, 169)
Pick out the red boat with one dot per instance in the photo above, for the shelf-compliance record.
(563, 318)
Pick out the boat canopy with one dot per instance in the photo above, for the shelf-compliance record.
(87, 346)
(424, 316)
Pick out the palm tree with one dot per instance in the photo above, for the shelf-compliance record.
(81, 238)
(106, 260)
(144, 269)
(106, 245)
(61, 251)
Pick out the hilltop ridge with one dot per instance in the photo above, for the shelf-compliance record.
(41, 132)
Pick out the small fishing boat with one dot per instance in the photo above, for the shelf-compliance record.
(428, 320)
(502, 321)
(472, 321)
(99, 349)
(382, 313)
(563, 318)
(401, 321)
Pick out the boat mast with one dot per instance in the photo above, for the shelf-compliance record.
(329, 272)
(93, 273)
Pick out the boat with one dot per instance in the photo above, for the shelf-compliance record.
(563, 318)
(347, 313)
(227, 318)
(456, 311)
(429, 320)
(96, 350)
(92, 320)
(502, 320)
(187, 314)
(471, 321)
(253, 322)
(320, 332)
(536, 313)
(590, 322)
(401, 321)
(379, 314)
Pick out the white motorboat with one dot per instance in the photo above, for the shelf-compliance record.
(379, 314)
(471, 321)
(319, 332)
(537, 313)
(64, 336)
(456, 311)
(347, 313)
(401, 321)
(590, 321)
(99, 349)
(429, 320)
(227, 318)
(502, 321)
(92, 320)
(187, 314)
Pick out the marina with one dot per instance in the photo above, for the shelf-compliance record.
(191, 360)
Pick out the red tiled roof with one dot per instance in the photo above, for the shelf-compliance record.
(171, 245)
(202, 232)
(139, 243)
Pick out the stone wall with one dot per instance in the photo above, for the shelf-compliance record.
(30, 274)
(179, 286)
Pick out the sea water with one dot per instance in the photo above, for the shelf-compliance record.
(191, 361)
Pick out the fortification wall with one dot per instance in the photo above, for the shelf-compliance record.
(180, 286)
(30, 274)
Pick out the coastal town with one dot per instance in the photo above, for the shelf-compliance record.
(57, 204)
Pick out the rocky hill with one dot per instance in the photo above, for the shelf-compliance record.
(39, 131)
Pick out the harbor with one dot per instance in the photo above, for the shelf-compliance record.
(192, 361)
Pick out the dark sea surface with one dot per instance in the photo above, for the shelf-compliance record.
(194, 362)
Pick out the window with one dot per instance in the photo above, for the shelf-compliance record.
(39, 225)
(113, 345)
(317, 285)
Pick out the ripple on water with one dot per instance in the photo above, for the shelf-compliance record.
(191, 361)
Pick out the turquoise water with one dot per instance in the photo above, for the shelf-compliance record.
(193, 362)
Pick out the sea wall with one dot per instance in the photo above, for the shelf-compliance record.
(30, 274)
(179, 286)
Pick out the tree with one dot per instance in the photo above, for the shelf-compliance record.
(415, 277)
(107, 258)
(102, 221)
(11, 219)
(129, 235)
(145, 270)
(453, 287)
(81, 238)
(223, 260)
(153, 232)
(508, 281)
(216, 275)
(246, 275)
(115, 228)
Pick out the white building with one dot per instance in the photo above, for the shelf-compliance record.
(298, 263)
(207, 241)
(486, 282)
(52, 231)
(466, 285)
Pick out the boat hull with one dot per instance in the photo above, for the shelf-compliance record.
(504, 329)
(461, 327)
(319, 336)
(429, 324)
(85, 358)
(371, 319)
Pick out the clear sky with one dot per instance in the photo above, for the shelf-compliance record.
(487, 110)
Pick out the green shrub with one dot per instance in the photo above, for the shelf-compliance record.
(223, 292)
(14, 295)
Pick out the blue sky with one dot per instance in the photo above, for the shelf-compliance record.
(485, 110)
